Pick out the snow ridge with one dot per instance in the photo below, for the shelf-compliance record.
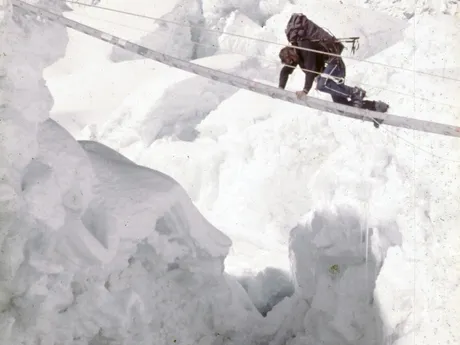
(96, 249)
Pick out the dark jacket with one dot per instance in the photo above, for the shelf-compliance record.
(308, 60)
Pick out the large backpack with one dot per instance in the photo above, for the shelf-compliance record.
(300, 28)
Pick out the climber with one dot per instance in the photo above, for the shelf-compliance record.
(329, 69)
(330, 74)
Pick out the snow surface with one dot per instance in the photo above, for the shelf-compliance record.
(286, 226)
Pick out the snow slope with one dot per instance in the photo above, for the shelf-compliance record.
(251, 141)
(101, 88)
(264, 161)
(169, 110)
(94, 248)
(363, 221)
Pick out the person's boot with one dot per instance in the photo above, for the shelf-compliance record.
(381, 107)
(357, 97)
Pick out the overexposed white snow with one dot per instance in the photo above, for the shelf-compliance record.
(191, 212)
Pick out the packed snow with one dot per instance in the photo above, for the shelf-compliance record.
(141, 204)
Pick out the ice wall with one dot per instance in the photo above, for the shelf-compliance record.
(25, 104)
(94, 248)
(336, 261)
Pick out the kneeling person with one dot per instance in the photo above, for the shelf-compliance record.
(329, 72)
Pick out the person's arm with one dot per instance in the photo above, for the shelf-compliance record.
(285, 72)
(310, 65)
(309, 59)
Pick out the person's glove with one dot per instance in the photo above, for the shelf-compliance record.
(301, 94)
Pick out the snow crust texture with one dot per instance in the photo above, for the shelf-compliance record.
(330, 252)
(387, 199)
(94, 248)
(100, 245)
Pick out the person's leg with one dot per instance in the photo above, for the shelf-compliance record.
(340, 99)
(336, 68)
(331, 87)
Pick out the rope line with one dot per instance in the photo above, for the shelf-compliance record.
(255, 39)
(244, 83)
(275, 62)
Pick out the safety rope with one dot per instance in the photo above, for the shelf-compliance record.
(257, 39)
(244, 83)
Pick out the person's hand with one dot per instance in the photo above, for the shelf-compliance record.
(300, 94)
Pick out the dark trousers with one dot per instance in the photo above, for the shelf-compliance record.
(340, 93)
